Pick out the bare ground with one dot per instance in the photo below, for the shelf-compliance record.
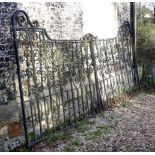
(127, 127)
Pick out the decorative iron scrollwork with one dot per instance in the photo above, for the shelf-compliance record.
(61, 79)
(125, 29)
(20, 18)
(88, 37)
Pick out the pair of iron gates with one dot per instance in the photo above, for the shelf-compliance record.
(61, 81)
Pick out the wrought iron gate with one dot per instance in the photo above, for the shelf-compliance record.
(61, 81)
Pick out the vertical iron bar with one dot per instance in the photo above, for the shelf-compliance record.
(52, 83)
(78, 76)
(34, 79)
(101, 90)
(41, 69)
(118, 68)
(133, 37)
(119, 60)
(69, 113)
(20, 82)
(58, 108)
(124, 57)
(108, 66)
(30, 96)
(81, 67)
(88, 76)
(48, 76)
(78, 103)
(102, 72)
(113, 59)
(61, 91)
(71, 78)
(61, 84)
(92, 51)
(131, 67)
(87, 102)
(129, 63)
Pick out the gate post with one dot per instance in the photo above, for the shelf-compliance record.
(15, 41)
(133, 39)
(91, 39)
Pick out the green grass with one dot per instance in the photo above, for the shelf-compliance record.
(63, 125)
(72, 146)
(61, 135)
(81, 126)
(69, 148)
(98, 133)
(112, 117)
(76, 142)
(31, 136)
(102, 114)
(113, 120)
(124, 104)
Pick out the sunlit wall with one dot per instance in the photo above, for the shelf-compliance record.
(100, 18)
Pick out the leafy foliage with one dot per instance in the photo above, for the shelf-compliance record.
(143, 29)
(145, 43)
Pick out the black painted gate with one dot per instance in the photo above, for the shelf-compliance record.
(61, 81)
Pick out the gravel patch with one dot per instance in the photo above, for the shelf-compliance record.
(124, 128)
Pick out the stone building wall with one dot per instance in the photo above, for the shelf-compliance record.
(123, 12)
(62, 21)
(6, 51)
(7, 61)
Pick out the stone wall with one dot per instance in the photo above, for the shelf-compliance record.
(6, 52)
(7, 64)
(62, 21)
(123, 12)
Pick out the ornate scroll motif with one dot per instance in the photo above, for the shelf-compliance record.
(66, 79)
(88, 37)
(20, 18)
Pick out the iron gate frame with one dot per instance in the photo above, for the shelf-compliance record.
(17, 20)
